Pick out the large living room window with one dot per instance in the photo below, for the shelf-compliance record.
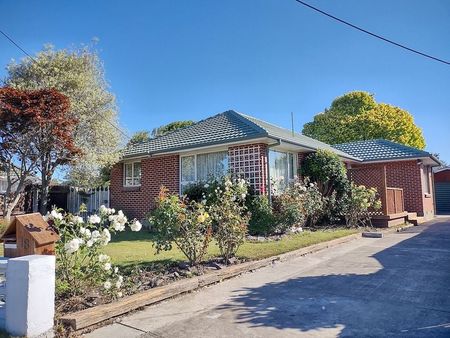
(202, 167)
(132, 174)
(282, 169)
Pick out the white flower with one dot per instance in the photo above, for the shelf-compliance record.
(103, 258)
(116, 225)
(103, 209)
(72, 246)
(56, 215)
(136, 226)
(105, 237)
(94, 219)
(107, 266)
(243, 196)
(206, 186)
(311, 185)
(107, 285)
(77, 219)
(118, 284)
(120, 279)
(95, 235)
(116, 269)
(119, 294)
(89, 243)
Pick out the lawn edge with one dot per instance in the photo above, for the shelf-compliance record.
(82, 319)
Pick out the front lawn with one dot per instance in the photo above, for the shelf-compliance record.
(135, 248)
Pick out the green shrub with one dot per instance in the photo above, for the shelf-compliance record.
(327, 170)
(262, 221)
(357, 204)
(229, 214)
(185, 223)
(196, 191)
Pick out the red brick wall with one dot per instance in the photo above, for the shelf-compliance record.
(136, 202)
(442, 176)
(250, 162)
(401, 174)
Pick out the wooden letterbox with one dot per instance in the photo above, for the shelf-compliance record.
(29, 234)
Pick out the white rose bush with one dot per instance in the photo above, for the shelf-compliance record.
(81, 264)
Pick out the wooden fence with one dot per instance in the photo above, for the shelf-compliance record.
(91, 198)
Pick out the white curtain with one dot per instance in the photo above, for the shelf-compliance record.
(278, 169)
(212, 165)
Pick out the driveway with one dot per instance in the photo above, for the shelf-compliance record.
(398, 286)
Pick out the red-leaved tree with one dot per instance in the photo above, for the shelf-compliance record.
(36, 135)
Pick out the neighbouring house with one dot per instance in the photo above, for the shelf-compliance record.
(262, 153)
(28, 201)
(402, 175)
(442, 188)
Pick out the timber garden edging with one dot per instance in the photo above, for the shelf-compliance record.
(85, 318)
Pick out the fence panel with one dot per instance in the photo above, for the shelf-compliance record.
(92, 198)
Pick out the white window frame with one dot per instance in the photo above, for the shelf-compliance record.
(132, 174)
(184, 183)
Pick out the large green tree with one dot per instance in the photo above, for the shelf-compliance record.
(79, 75)
(357, 116)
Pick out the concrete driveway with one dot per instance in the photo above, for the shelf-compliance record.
(398, 286)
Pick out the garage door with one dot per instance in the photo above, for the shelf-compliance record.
(442, 197)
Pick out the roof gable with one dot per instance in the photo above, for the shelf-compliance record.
(381, 150)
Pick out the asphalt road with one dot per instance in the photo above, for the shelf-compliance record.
(396, 286)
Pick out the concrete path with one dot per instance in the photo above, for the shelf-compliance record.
(398, 286)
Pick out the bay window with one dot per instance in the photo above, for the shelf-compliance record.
(202, 167)
(282, 169)
(132, 174)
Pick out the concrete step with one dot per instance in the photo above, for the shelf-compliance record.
(412, 218)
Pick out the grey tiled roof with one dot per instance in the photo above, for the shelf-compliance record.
(379, 150)
(226, 127)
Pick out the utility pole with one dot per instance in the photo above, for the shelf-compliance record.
(292, 123)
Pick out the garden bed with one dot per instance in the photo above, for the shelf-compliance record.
(291, 246)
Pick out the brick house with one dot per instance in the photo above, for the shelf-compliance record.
(402, 175)
(228, 142)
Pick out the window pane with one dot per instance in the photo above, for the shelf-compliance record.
(137, 170)
(3, 184)
(128, 169)
(187, 169)
(278, 167)
(291, 166)
(212, 165)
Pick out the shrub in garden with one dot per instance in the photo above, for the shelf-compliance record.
(196, 191)
(185, 223)
(229, 214)
(81, 265)
(357, 204)
(327, 170)
(297, 205)
(262, 221)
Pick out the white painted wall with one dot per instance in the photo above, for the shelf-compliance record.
(30, 296)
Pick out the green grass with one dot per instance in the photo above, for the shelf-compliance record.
(135, 248)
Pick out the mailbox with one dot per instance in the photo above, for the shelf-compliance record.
(29, 234)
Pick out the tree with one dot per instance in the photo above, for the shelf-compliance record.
(357, 116)
(37, 133)
(139, 137)
(15, 149)
(162, 130)
(79, 75)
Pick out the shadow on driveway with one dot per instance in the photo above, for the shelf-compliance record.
(408, 295)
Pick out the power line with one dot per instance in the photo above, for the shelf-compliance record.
(34, 60)
(373, 34)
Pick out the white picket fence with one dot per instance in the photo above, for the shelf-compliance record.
(92, 198)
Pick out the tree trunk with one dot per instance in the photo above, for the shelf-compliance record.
(44, 192)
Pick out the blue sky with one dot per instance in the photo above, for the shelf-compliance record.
(171, 60)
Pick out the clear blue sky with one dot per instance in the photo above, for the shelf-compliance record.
(171, 60)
